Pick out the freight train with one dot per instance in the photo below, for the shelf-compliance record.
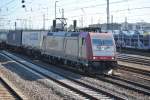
(91, 52)
(134, 41)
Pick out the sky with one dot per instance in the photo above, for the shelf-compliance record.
(86, 12)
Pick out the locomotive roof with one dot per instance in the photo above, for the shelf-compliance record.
(73, 34)
(102, 35)
(56, 33)
(68, 34)
(76, 34)
(90, 29)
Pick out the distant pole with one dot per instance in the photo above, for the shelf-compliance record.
(126, 24)
(55, 9)
(62, 18)
(112, 23)
(25, 24)
(82, 21)
(43, 21)
(107, 14)
(30, 22)
(91, 20)
(15, 25)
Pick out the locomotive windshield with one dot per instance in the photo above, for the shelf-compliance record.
(100, 42)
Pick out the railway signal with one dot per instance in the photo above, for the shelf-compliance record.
(23, 3)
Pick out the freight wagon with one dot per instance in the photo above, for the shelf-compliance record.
(14, 40)
(3, 39)
(32, 41)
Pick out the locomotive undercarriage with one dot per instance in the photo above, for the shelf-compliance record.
(102, 66)
(92, 67)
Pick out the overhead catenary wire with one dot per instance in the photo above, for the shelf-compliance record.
(97, 5)
(66, 4)
(7, 3)
(11, 10)
(69, 12)
(138, 8)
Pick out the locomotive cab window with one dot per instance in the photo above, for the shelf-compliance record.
(101, 42)
(97, 42)
(108, 42)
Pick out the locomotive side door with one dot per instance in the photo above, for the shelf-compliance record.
(81, 44)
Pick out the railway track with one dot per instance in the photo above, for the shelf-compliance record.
(78, 87)
(135, 70)
(143, 73)
(121, 83)
(134, 59)
(134, 56)
(128, 84)
(7, 93)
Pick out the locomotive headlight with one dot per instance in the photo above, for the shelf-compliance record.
(113, 58)
(94, 57)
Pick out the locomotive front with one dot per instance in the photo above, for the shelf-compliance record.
(103, 51)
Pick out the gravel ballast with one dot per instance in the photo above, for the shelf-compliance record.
(129, 94)
(34, 86)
